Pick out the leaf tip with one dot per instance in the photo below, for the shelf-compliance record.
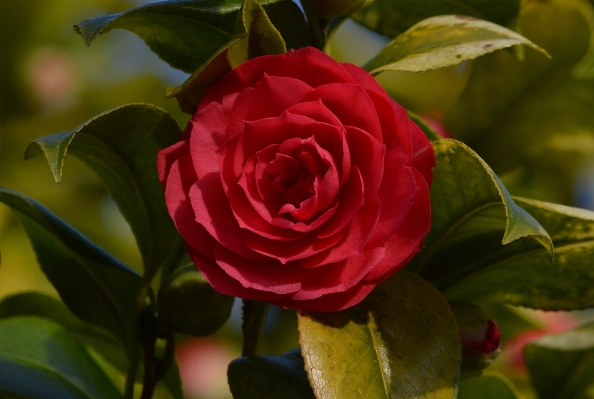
(33, 149)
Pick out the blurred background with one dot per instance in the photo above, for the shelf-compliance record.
(51, 82)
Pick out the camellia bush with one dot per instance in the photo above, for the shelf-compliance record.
(299, 182)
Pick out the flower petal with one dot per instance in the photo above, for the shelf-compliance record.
(397, 194)
(408, 240)
(225, 284)
(331, 302)
(356, 234)
(180, 179)
(208, 133)
(341, 276)
(343, 98)
(267, 275)
(368, 154)
(213, 211)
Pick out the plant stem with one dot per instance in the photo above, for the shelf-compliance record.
(150, 371)
(254, 318)
(164, 364)
(131, 376)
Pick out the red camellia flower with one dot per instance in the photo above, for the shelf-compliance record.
(299, 182)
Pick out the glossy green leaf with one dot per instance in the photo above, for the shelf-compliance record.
(514, 112)
(190, 93)
(186, 33)
(562, 366)
(269, 377)
(470, 205)
(254, 35)
(490, 386)
(392, 17)
(443, 41)
(42, 305)
(401, 341)
(121, 146)
(162, 29)
(94, 285)
(523, 274)
(290, 21)
(40, 360)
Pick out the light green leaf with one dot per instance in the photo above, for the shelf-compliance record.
(562, 366)
(488, 386)
(42, 305)
(392, 17)
(524, 275)
(40, 360)
(94, 285)
(401, 341)
(121, 145)
(269, 377)
(443, 41)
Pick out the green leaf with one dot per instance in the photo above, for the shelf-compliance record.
(429, 132)
(121, 145)
(254, 36)
(489, 386)
(523, 275)
(392, 17)
(287, 17)
(269, 377)
(172, 381)
(514, 112)
(258, 35)
(190, 93)
(470, 205)
(443, 41)
(42, 305)
(562, 366)
(401, 341)
(162, 29)
(186, 33)
(94, 285)
(40, 360)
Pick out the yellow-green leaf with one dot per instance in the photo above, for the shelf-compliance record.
(444, 41)
(401, 342)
